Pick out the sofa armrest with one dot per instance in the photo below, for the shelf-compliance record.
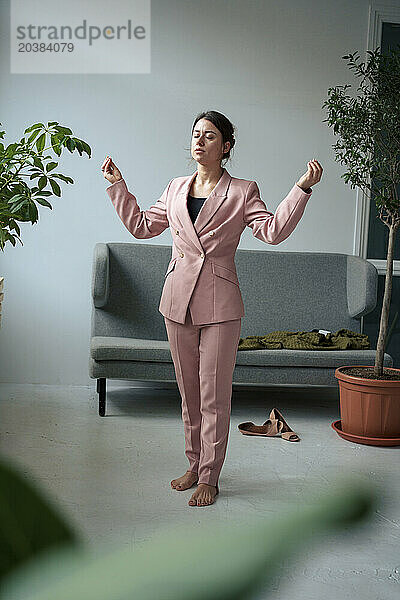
(362, 286)
(100, 275)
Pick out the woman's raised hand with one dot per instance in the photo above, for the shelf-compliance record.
(110, 170)
(311, 176)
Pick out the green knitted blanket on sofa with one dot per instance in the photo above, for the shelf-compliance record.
(343, 339)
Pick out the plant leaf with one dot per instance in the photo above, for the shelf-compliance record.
(70, 144)
(38, 163)
(40, 142)
(55, 187)
(230, 562)
(86, 148)
(42, 182)
(61, 129)
(32, 127)
(43, 202)
(30, 523)
(50, 166)
(63, 177)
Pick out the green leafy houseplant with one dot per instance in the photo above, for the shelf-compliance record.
(43, 558)
(369, 147)
(24, 162)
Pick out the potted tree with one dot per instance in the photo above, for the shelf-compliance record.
(369, 147)
(26, 160)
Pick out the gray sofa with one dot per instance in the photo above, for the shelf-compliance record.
(281, 291)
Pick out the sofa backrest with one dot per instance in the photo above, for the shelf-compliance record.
(300, 291)
(281, 290)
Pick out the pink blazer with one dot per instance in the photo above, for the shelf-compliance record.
(202, 269)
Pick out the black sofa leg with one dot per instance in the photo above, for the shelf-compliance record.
(101, 390)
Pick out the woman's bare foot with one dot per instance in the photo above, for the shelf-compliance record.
(184, 482)
(204, 495)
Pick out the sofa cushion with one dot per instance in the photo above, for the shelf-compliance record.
(306, 358)
(135, 349)
(123, 348)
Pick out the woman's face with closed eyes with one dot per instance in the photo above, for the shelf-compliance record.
(207, 146)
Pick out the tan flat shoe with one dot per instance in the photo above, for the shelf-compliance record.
(275, 426)
(271, 428)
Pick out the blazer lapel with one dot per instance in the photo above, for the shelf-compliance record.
(207, 211)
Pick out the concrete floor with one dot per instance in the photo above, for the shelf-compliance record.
(111, 476)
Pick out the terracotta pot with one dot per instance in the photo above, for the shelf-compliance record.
(369, 409)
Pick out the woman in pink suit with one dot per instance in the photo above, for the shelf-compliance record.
(201, 300)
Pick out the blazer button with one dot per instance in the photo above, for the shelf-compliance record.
(212, 232)
(181, 254)
(177, 232)
(202, 255)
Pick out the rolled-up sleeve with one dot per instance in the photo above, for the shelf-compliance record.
(140, 223)
(274, 228)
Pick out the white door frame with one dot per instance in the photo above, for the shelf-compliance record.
(378, 13)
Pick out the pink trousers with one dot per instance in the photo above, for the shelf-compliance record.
(204, 359)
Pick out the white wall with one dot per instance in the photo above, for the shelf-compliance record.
(267, 65)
